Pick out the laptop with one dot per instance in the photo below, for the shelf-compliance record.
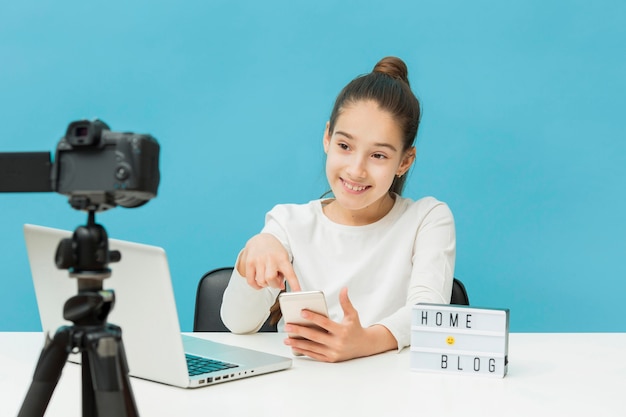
(145, 309)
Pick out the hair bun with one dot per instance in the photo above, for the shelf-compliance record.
(393, 67)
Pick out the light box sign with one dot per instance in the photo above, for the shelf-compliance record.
(459, 339)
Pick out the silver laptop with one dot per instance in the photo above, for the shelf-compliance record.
(145, 309)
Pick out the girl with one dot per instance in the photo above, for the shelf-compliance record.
(373, 253)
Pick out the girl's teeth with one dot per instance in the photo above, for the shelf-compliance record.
(354, 187)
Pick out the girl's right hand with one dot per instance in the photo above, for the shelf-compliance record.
(264, 262)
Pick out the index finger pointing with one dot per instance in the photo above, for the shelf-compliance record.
(290, 277)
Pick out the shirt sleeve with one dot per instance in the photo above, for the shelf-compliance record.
(245, 309)
(432, 272)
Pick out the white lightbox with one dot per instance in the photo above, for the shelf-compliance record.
(459, 339)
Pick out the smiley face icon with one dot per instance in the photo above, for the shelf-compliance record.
(450, 340)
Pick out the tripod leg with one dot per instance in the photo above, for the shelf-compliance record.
(89, 405)
(109, 375)
(47, 373)
(129, 398)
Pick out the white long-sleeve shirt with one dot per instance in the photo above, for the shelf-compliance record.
(388, 266)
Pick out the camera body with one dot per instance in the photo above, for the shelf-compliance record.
(99, 169)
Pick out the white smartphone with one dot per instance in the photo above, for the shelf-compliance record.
(292, 304)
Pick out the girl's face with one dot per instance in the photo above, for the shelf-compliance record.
(364, 154)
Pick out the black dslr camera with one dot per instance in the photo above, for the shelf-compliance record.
(97, 168)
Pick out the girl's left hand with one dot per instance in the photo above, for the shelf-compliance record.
(336, 342)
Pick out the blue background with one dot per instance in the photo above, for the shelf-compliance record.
(523, 132)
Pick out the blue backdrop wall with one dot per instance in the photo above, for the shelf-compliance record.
(522, 135)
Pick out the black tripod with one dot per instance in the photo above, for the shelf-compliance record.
(106, 387)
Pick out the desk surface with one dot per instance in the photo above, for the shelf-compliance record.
(560, 374)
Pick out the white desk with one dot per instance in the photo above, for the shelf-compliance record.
(549, 374)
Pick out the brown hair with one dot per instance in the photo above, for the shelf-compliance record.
(387, 85)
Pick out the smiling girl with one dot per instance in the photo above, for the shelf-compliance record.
(373, 253)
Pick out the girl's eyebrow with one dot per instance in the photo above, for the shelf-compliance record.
(378, 144)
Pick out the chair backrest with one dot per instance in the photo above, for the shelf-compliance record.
(459, 293)
(207, 316)
(211, 287)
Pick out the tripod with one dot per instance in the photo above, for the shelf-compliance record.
(106, 389)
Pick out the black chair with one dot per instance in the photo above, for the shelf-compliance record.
(207, 316)
(212, 285)
(459, 293)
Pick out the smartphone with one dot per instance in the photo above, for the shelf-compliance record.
(292, 304)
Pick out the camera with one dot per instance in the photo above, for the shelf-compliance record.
(95, 167)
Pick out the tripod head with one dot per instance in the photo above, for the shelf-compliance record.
(86, 256)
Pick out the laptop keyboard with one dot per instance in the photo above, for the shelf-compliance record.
(198, 365)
